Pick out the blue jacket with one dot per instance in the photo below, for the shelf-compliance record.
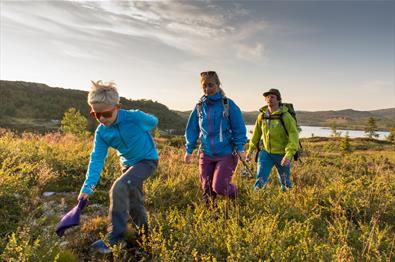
(208, 128)
(129, 135)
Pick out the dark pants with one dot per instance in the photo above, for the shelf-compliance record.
(216, 174)
(127, 198)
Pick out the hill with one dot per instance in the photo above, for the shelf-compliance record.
(39, 107)
(348, 118)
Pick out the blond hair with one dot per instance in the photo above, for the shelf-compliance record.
(105, 93)
(212, 75)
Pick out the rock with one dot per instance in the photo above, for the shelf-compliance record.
(48, 194)
(64, 244)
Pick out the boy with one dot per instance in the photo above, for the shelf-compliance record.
(127, 131)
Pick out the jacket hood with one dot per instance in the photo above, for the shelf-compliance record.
(282, 109)
(213, 98)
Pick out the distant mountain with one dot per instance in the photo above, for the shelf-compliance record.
(348, 118)
(34, 106)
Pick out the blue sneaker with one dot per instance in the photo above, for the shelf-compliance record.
(101, 247)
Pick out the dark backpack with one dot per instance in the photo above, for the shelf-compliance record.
(292, 112)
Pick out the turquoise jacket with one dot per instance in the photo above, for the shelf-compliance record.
(220, 135)
(129, 135)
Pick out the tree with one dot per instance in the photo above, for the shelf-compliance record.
(371, 128)
(333, 126)
(345, 145)
(75, 123)
(391, 135)
(156, 133)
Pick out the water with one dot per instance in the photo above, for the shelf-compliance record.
(309, 131)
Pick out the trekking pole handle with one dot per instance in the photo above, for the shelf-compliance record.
(245, 164)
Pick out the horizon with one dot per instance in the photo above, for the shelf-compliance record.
(245, 111)
(321, 55)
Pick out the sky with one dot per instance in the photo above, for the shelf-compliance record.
(321, 55)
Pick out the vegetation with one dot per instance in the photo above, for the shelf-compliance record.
(22, 107)
(333, 126)
(342, 206)
(391, 135)
(371, 128)
(345, 145)
(74, 123)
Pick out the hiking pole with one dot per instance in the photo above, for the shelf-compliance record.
(246, 167)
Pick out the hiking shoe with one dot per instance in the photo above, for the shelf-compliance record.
(101, 247)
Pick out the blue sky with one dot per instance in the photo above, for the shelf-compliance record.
(322, 55)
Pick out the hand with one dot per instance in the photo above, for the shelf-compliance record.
(242, 155)
(248, 156)
(285, 161)
(188, 158)
(83, 196)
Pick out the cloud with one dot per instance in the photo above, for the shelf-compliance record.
(250, 53)
(196, 28)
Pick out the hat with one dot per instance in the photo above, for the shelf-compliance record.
(273, 91)
(71, 219)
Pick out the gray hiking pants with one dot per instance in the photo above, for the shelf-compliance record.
(127, 198)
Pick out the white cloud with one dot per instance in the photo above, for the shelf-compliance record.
(250, 53)
(197, 28)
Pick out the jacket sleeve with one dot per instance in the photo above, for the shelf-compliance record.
(257, 134)
(192, 131)
(238, 127)
(293, 138)
(146, 121)
(96, 163)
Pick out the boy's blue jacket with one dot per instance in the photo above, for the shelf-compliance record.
(129, 135)
(233, 127)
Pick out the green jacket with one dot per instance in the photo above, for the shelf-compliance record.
(274, 137)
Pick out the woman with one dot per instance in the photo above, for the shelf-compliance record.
(219, 123)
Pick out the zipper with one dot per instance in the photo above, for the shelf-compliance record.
(119, 132)
(270, 144)
(268, 133)
(211, 129)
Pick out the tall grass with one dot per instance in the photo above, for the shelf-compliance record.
(342, 207)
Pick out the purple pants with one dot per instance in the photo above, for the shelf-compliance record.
(216, 174)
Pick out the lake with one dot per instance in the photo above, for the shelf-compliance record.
(309, 131)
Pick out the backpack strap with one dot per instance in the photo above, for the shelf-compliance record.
(225, 114)
(283, 123)
(225, 104)
(286, 131)
(199, 106)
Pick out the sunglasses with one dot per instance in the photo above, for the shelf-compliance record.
(208, 73)
(105, 114)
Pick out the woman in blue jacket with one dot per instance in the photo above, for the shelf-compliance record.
(219, 123)
(127, 131)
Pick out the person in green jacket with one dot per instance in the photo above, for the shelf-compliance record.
(278, 148)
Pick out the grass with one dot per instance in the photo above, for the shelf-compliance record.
(342, 206)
